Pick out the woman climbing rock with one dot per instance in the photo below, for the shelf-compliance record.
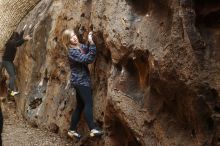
(80, 56)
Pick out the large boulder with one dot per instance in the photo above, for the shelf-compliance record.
(155, 79)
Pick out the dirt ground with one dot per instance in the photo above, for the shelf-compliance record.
(17, 132)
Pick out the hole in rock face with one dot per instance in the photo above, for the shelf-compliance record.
(140, 6)
(131, 80)
(212, 19)
(133, 76)
(208, 25)
(128, 79)
(142, 65)
(122, 135)
(131, 68)
(207, 13)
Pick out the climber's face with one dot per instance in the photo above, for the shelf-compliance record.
(73, 39)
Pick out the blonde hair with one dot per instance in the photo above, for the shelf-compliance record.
(66, 38)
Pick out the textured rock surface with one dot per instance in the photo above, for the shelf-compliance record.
(155, 79)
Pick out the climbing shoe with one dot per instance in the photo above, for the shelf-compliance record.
(13, 93)
(72, 134)
(96, 132)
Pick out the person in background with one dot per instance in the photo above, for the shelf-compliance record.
(15, 41)
(80, 55)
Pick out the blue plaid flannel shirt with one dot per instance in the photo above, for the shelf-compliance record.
(79, 64)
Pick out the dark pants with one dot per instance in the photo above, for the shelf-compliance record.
(9, 66)
(84, 102)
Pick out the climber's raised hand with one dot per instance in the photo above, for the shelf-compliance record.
(90, 38)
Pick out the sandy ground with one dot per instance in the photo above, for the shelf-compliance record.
(17, 132)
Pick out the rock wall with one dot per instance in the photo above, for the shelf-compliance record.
(155, 78)
(11, 14)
